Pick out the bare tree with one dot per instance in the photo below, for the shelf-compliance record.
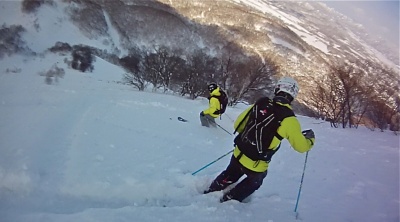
(231, 53)
(378, 115)
(345, 89)
(135, 75)
(385, 96)
(160, 66)
(395, 120)
(251, 79)
(362, 105)
(200, 70)
(346, 95)
(326, 98)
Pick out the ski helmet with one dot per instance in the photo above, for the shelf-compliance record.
(212, 87)
(287, 85)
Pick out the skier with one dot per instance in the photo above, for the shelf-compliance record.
(259, 139)
(208, 116)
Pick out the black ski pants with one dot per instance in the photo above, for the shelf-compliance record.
(231, 175)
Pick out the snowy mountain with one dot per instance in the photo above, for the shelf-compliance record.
(305, 39)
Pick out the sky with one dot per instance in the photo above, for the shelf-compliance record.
(88, 148)
(378, 17)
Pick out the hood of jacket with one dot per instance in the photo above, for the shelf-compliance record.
(215, 92)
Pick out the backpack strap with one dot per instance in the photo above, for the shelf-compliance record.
(241, 122)
(262, 131)
(248, 113)
(278, 136)
(281, 115)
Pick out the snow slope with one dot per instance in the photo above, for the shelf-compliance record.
(49, 25)
(90, 149)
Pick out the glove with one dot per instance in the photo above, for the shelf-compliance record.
(309, 134)
(201, 114)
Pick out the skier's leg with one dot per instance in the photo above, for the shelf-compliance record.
(229, 176)
(204, 120)
(246, 187)
(211, 120)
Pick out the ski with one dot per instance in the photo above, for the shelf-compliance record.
(182, 119)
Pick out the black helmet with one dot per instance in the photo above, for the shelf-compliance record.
(212, 87)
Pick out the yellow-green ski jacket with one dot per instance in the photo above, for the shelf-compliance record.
(214, 104)
(289, 129)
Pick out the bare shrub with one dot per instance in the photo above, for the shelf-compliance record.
(395, 123)
(134, 76)
(13, 70)
(53, 74)
(82, 58)
(31, 6)
(61, 47)
(11, 40)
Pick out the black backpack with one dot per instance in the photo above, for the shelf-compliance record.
(261, 127)
(223, 101)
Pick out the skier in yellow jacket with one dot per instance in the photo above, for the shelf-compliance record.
(257, 141)
(207, 116)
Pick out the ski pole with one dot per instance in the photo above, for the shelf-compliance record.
(211, 162)
(301, 184)
(212, 123)
(229, 117)
(224, 129)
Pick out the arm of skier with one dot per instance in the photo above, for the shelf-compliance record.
(214, 106)
(292, 132)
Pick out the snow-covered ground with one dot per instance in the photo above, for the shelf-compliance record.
(90, 149)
